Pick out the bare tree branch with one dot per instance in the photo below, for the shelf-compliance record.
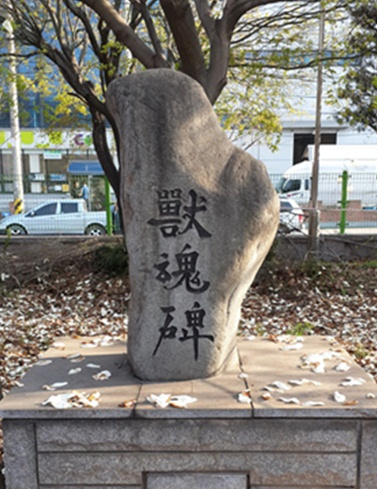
(182, 24)
(205, 16)
(81, 14)
(151, 29)
(125, 34)
(235, 9)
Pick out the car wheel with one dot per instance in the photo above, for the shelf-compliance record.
(95, 230)
(16, 230)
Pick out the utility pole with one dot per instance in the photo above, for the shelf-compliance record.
(313, 238)
(18, 188)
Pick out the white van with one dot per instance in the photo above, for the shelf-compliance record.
(359, 161)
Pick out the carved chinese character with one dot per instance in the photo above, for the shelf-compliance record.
(167, 331)
(169, 205)
(170, 221)
(190, 214)
(186, 273)
(163, 274)
(194, 321)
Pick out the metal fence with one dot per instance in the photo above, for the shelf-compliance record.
(346, 202)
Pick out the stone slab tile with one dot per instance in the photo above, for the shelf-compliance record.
(20, 455)
(26, 401)
(91, 487)
(266, 361)
(251, 435)
(368, 466)
(301, 487)
(216, 398)
(264, 468)
(196, 481)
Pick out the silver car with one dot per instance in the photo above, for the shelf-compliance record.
(68, 216)
(291, 216)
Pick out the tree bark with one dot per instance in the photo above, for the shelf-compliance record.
(182, 25)
(103, 151)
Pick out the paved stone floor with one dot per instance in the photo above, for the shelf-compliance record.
(296, 412)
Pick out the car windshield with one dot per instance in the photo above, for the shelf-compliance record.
(45, 210)
(286, 185)
(285, 206)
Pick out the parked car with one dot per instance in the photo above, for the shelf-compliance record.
(67, 216)
(291, 216)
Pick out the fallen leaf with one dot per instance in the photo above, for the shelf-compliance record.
(60, 401)
(104, 375)
(93, 365)
(130, 403)
(338, 397)
(290, 400)
(266, 396)
(304, 381)
(181, 402)
(74, 399)
(350, 381)
(90, 344)
(76, 358)
(43, 363)
(319, 368)
(313, 403)
(342, 367)
(351, 403)
(280, 385)
(250, 337)
(161, 400)
(74, 371)
(54, 386)
(74, 355)
(244, 397)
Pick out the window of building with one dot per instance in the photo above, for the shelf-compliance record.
(302, 141)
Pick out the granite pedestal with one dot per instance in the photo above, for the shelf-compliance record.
(291, 435)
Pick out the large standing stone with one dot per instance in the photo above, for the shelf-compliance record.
(200, 216)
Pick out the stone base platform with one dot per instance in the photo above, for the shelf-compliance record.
(292, 434)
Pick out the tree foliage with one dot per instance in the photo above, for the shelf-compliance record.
(250, 46)
(358, 87)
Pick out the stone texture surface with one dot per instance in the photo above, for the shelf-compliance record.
(196, 481)
(273, 361)
(26, 401)
(200, 216)
(20, 455)
(368, 467)
(264, 468)
(285, 435)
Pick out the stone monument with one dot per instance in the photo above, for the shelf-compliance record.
(200, 216)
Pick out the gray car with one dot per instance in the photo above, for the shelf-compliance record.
(68, 216)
